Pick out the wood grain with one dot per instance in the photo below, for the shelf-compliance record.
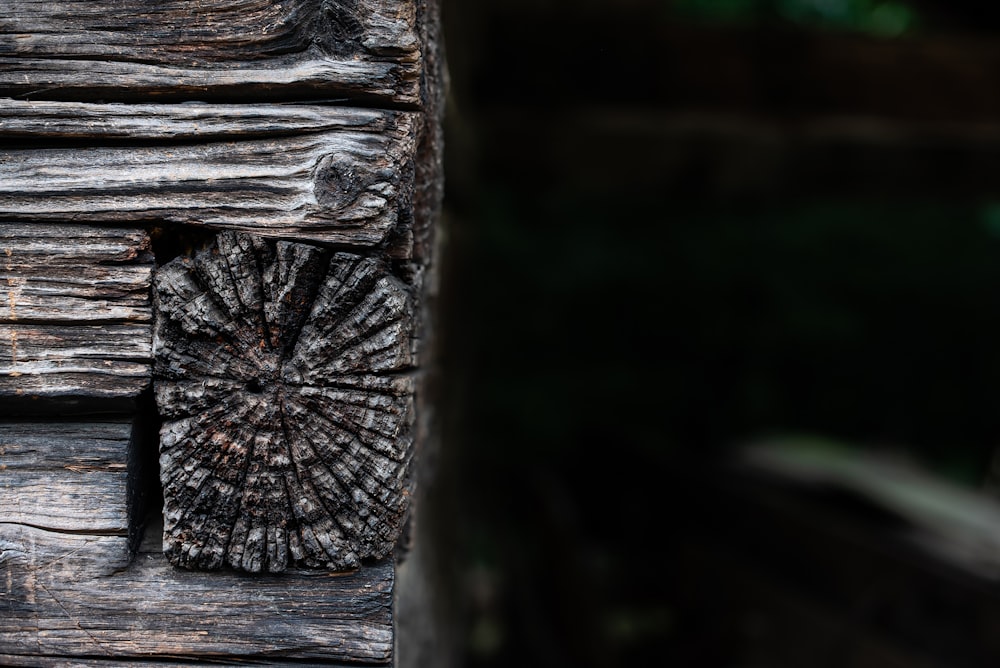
(281, 375)
(349, 184)
(78, 49)
(66, 476)
(75, 315)
(69, 595)
(72, 274)
(46, 120)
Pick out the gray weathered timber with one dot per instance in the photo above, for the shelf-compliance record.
(66, 476)
(75, 313)
(46, 120)
(73, 274)
(219, 49)
(71, 595)
(349, 185)
(282, 377)
(34, 661)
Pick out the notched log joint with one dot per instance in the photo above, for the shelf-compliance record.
(283, 376)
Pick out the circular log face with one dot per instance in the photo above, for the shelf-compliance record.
(282, 379)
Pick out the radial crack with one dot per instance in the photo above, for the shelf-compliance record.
(281, 375)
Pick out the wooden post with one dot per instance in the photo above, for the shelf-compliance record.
(216, 219)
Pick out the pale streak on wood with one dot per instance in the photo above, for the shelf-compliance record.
(75, 312)
(84, 120)
(359, 48)
(68, 595)
(66, 476)
(347, 186)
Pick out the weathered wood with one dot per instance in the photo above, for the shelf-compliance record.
(32, 661)
(281, 376)
(65, 595)
(285, 373)
(426, 624)
(26, 661)
(75, 315)
(40, 120)
(72, 274)
(70, 477)
(347, 186)
(222, 49)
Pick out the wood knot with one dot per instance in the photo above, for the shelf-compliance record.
(281, 377)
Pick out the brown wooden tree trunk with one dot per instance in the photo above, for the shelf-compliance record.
(217, 234)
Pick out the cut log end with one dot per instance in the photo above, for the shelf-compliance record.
(282, 377)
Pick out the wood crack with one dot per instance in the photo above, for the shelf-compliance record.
(256, 342)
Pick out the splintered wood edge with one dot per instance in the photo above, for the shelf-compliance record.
(73, 595)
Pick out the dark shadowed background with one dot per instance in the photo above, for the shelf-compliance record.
(676, 227)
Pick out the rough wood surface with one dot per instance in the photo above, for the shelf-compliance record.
(70, 477)
(43, 120)
(281, 376)
(32, 661)
(71, 274)
(69, 595)
(75, 315)
(350, 185)
(80, 49)
(425, 584)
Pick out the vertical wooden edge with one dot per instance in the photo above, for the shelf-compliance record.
(421, 596)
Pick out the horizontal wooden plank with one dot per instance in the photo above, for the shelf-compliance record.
(83, 120)
(51, 361)
(75, 313)
(71, 274)
(64, 598)
(34, 661)
(66, 476)
(73, 446)
(348, 185)
(79, 49)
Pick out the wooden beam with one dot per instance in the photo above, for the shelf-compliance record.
(71, 595)
(71, 274)
(75, 315)
(227, 49)
(348, 184)
(68, 477)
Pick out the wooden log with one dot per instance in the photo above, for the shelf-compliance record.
(223, 49)
(282, 379)
(73, 596)
(70, 477)
(350, 183)
(75, 316)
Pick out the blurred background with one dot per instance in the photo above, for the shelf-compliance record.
(720, 330)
